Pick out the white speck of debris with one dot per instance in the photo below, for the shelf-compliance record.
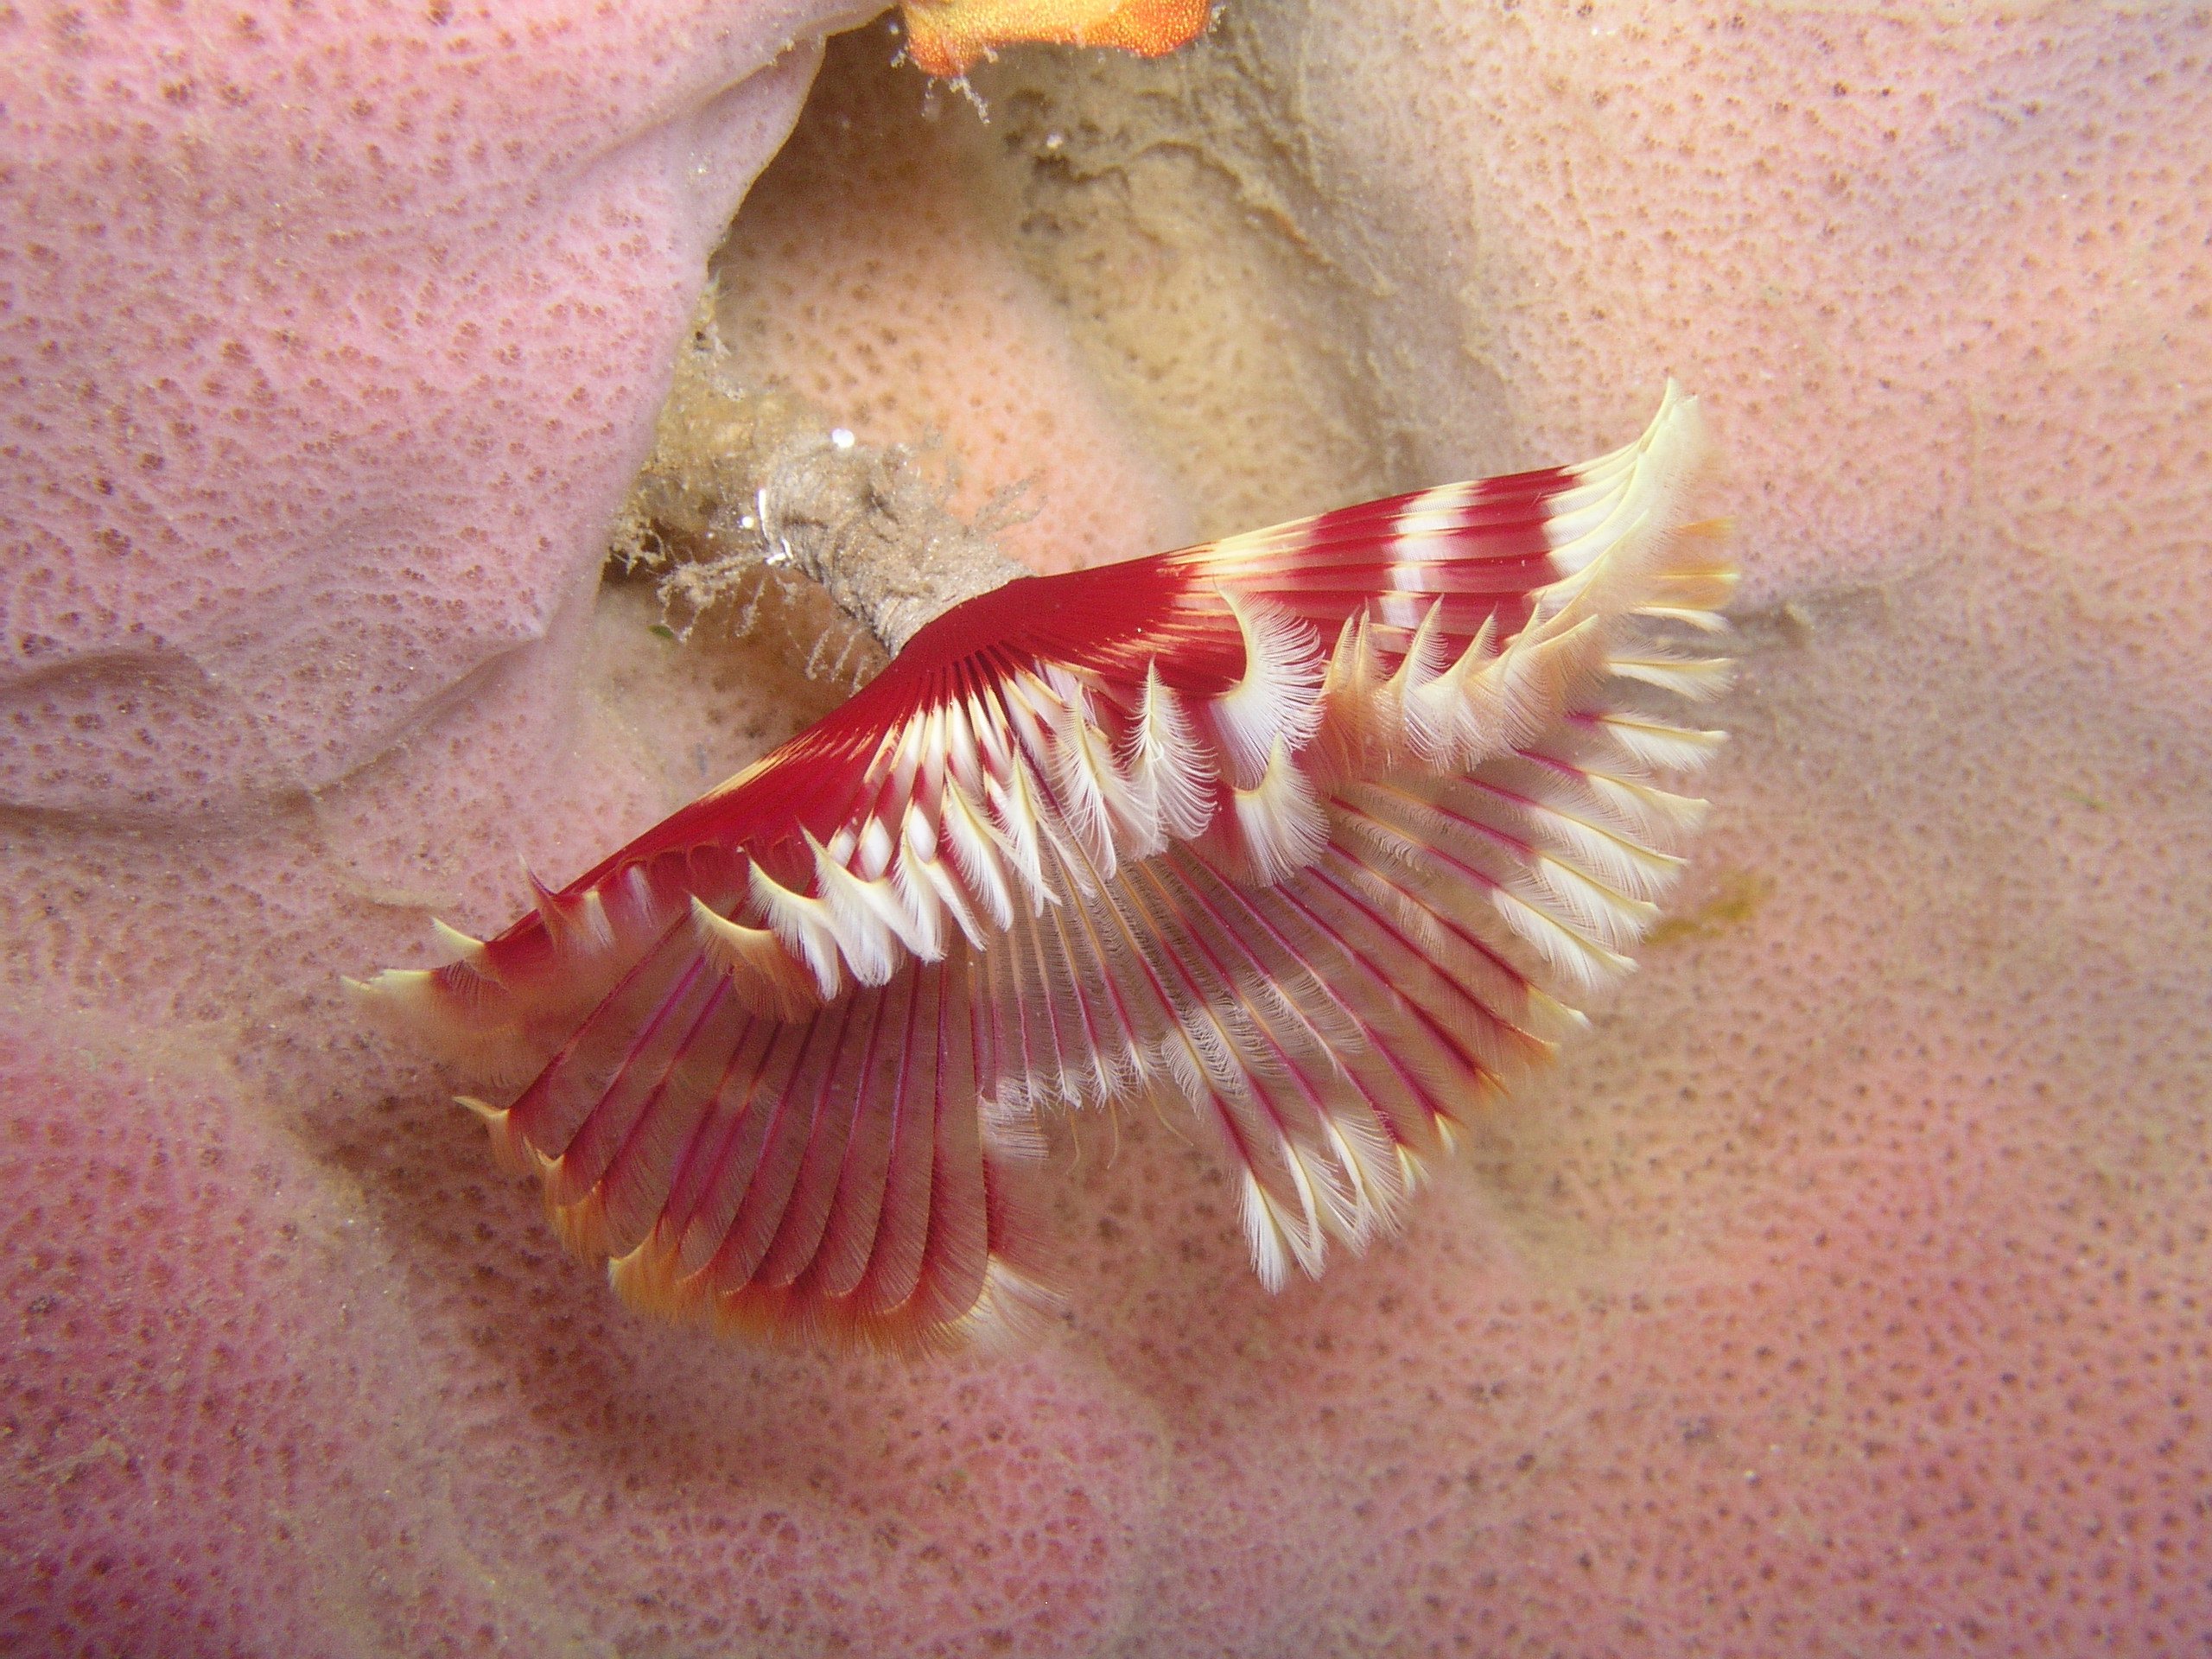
(1054, 140)
(840, 438)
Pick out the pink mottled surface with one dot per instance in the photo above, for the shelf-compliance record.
(1845, 1293)
(329, 332)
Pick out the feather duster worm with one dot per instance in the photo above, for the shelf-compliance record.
(1324, 829)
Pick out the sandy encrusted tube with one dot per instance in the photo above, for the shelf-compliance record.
(865, 525)
(748, 484)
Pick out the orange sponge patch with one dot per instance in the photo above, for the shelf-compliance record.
(945, 36)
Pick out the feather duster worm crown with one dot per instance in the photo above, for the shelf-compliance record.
(1325, 829)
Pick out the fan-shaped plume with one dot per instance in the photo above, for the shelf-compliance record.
(1324, 831)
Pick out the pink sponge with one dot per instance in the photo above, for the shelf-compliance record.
(332, 344)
